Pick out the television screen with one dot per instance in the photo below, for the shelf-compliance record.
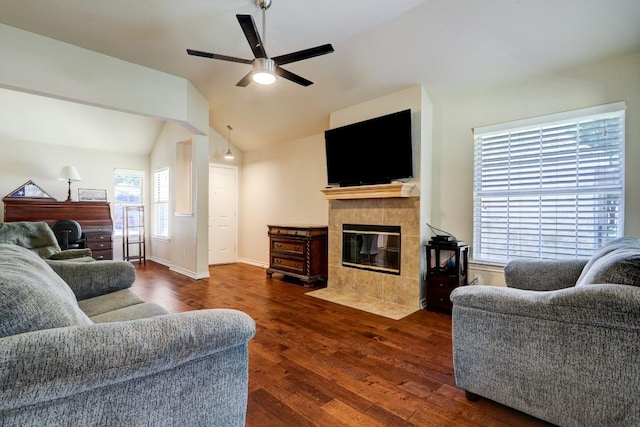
(375, 151)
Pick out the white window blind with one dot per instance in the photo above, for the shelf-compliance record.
(128, 190)
(550, 187)
(161, 203)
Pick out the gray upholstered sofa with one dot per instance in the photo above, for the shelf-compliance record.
(87, 351)
(561, 343)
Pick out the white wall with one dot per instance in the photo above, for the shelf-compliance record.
(280, 185)
(36, 64)
(601, 83)
(41, 162)
(184, 251)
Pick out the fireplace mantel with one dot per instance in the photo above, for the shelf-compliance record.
(379, 191)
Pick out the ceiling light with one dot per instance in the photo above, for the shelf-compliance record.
(263, 71)
(229, 155)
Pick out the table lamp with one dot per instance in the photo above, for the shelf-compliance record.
(69, 173)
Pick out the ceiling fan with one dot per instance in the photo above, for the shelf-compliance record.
(265, 68)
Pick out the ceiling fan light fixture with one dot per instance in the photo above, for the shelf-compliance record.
(264, 71)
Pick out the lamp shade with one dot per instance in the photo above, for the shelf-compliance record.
(69, 173)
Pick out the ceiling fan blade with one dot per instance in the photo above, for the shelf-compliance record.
(303, 54)
(293, 77)
(199, 53)
(216, 56)
(251, 33)
(244, 82)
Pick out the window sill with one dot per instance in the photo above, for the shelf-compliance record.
(493, 267)
(161, 238)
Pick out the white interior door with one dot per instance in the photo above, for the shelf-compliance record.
(223, 190)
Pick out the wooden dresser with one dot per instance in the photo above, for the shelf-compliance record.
(299, 251)
(93, 217)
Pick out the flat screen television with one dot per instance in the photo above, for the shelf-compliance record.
(375, 151)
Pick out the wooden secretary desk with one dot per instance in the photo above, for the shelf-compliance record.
(93, 217)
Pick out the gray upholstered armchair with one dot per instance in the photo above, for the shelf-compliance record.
(38, 237)
(561, 342)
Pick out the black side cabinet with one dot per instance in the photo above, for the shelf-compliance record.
(446, 270)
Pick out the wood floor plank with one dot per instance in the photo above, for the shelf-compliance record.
(316, 363)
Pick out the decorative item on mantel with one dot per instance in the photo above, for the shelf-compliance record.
(69, 173)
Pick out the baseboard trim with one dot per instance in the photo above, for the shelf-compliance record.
(159, 261)
(189, 273)
(253, 262)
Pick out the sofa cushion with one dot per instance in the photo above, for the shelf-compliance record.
(616, 262)
(32, 295)
(109, 302)
(132, 312)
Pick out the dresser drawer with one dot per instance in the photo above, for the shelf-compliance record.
(276, 231)
(288, 264)
(103, 254)
(442, 284)
(97, 237)
(288, 246)
(440, 301)
(97, 246)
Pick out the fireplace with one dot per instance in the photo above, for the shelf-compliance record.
(371, 247)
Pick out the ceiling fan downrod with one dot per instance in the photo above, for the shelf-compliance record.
(264, 5)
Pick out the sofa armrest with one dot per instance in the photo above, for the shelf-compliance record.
(543, 275)
(95, 278)
(53, 364)
(608, 305)
(71, 254)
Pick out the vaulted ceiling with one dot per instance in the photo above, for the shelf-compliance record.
(448, 46)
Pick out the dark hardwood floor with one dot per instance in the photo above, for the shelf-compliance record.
(313, 362)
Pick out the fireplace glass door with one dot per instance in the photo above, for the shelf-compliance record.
(371, 247)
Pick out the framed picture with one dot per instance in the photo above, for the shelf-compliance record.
(92, 195)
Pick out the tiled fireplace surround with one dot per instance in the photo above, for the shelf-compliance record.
(402, 211)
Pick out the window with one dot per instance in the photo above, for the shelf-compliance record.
(161, 203)
(128, 186)
(551, 187)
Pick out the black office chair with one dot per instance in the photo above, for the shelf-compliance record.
(68, 233)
